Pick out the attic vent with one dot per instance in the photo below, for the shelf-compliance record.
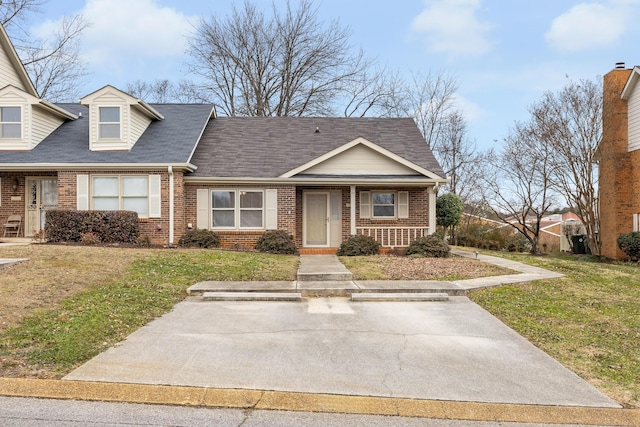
(620, 66)
(317, 129)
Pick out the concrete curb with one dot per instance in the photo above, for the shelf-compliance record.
(311, 402)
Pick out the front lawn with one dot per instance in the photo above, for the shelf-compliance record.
(589, 320)
(69, 303)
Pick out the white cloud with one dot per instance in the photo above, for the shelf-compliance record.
(130, 30)
(471, 111)
(590, 25)
(452, 27)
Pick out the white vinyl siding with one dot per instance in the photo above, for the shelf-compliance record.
(97, 142)
(634, 120)
(8, 74)
(359, 160)
(139, 124)
(43, 124)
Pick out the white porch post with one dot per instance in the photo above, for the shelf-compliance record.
(171, 207)
(353, 211)
(432, 209)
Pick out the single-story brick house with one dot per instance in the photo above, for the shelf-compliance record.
(179, 166)
(619, 158)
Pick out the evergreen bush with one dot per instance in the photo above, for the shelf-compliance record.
(359, 245)
(429, 246)
(276, 242)
(630, 244)
(199, 239)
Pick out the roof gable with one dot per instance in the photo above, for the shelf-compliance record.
(13, 71)
(111, 92)
(359, 157)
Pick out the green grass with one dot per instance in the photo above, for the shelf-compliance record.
(88, 322)
(589, 320)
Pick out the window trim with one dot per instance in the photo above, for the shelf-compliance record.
(20, 123)
(121, 196)
(395, 204)
(237, 209)
(119, 123)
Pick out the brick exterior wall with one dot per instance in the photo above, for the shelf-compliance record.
(290, 206)
(619, 182)
(244, 239)
(157, 229)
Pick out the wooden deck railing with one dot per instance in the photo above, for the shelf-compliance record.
(393, 237)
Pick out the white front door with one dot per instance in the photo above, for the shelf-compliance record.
(316, 219)
(42, 196)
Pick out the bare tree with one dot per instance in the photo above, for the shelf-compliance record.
(290, 64)
(517, 183)
(570, 123)
(429, 100)
(163, 91)
(458, 156)
(54, 63)
(376, 92)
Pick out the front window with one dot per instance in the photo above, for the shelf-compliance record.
(109, 122)
(130, 193)
(232, 209)
(10, 122)
(383, 205)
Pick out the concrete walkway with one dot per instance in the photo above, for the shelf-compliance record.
(449, 360)
(326, 276)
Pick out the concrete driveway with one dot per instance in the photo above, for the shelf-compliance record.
(451, 350)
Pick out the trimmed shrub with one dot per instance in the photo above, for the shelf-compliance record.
(276, 242)
(199, 239)
(108, 226)
(429, 246)
(630, 244)
(359, 245)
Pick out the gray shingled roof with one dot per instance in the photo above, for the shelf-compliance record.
(168, 141)
(262, 147)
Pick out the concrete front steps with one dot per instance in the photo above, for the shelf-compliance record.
(322, 268)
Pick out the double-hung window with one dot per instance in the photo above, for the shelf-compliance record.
(109, 122)
(383, 205)
(129, 193)
(10, 122)
(237, 209)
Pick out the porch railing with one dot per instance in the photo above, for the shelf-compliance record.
(393, 237)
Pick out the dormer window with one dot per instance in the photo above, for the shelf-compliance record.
(109, 122)
(10, 123)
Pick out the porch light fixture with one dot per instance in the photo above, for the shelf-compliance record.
(16, 183)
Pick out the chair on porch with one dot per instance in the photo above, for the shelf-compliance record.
(12, 226)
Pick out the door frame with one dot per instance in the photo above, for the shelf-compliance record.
(28, 227)
(304, 218)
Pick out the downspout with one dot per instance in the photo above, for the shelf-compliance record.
(171, 201)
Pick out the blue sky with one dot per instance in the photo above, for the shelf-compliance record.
(503, 53)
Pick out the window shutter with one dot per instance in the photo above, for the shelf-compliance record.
(155, 200)
(202, 207)
(636, 222)
(82, 192)
(271, 209)
(365, 204)
(403, 204)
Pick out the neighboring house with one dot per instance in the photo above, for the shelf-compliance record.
(552, 231)
(619, 159)
(180, 167)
